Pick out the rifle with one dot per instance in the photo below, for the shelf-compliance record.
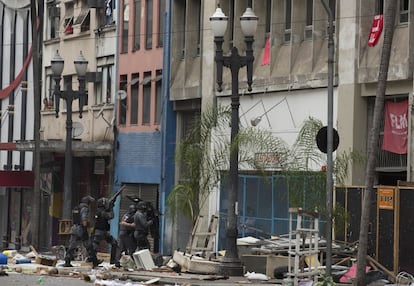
(112, 199)
(136, 200)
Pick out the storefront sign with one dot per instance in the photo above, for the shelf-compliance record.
(386, 198)
(268, 160)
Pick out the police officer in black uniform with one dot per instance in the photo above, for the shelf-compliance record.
(127, 241)
(103, 215)
(142, 223)
(153, 215)
(79, 231)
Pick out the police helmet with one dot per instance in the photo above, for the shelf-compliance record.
(87, 199)
(142, 206)
(102, 203)
(132, 208)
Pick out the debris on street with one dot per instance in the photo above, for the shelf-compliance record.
(264, 260)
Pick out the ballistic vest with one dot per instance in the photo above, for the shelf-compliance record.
(101, 222)
(76, 215)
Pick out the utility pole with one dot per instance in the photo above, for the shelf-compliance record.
(329, 176)
(35, 10)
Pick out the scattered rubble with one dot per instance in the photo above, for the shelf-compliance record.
(263, 260)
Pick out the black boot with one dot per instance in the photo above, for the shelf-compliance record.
(67, 263)
(96, 262)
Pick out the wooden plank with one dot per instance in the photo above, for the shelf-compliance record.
(200, 239)
(390, 274)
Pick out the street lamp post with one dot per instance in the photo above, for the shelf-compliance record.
(231, 264)
(68, 95)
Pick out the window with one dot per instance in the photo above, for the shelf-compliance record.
(403, 11)
(137, 24)
(67, 85)
(123, 84)
(332, 6)
(228, 7)
(379, 7)
(109, 7)
(125, 24)
(268, 16)
(181, 28)
(50, 87)
(198, 29)
(146, 100)
(309, 19)
(288, 20)
(148, 25)
(53, 20)
(68, 21)
(103, 82)
(83, 20)
(158, 97)
(309, 12)
(108, 83)
(161, 12)
(134, 98)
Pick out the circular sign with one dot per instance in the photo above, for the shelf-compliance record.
(322, 139)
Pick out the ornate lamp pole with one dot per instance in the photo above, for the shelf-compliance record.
(231, 264)
(68, 95)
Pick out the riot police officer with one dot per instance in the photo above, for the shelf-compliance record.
(103, 215)
(127, 241)
(142, 223)
(79, 231)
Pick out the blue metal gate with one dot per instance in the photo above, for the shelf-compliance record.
(264, 202)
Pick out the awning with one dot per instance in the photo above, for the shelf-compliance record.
(79, 148)
(17, 179)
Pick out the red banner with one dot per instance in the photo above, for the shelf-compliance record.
(12, 86)
(23, 179)
(396, 127)
(376, 30)
(266, 53)
(6, 91)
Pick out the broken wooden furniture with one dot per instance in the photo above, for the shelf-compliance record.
(202, 241)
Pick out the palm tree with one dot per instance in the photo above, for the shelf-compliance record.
(389, 20)
(203, 158)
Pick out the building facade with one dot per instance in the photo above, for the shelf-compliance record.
(71, 28)
(17, 117)
(151, 71)
(141, 106)
(358, 65)
(290, 78)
